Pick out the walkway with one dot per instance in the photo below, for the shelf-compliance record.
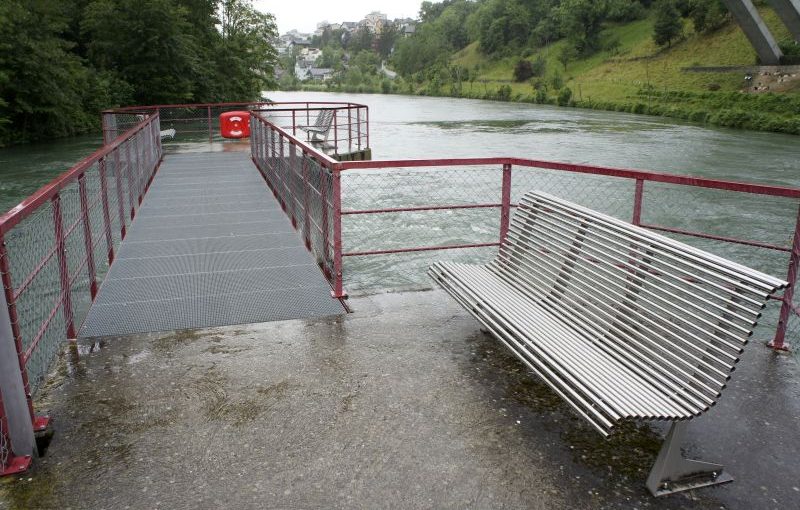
(210, 246)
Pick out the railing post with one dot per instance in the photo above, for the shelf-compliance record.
(290, 181)
(358, 127)
(120, 193)
(323, 185)
(109, 121)
(338, 284)
(366, 108)
(129, 171)
(787, 305)
(637, 202)
(210, 132)
(106, 210)
(137, 147)
(349, 129)
(505, 208)
(8, 312)
(335, 132)
(280, 163)
(87, 235)
(63, 267)
(16, 412)
(294, 123)
(307, 201)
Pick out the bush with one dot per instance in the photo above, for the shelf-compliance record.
(539, 66)
(556, 81)
(523, 70)
(541, 96)
(504, 93)
(564, 97)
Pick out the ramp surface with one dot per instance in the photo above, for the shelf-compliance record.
(210, 246)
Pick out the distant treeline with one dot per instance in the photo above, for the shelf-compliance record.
(511, 27)
(62, 61)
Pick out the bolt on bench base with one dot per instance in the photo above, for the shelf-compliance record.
(672, 473)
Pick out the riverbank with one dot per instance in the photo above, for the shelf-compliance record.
(629, 74)
(754, 112)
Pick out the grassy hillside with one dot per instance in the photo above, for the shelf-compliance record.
(639, 77)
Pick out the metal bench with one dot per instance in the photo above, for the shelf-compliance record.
(318, 132)
(622, 323)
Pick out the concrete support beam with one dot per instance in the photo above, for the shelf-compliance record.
(747, 17)
(789, 12)
(20, 428)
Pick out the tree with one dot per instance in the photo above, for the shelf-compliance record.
(668, 26)
(146, 43)
(387, 38)
(581, 22)
(43, 85)
(566, 55)
(246, 58)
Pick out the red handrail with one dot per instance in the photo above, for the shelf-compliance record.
(25, 208)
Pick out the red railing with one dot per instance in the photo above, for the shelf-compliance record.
(57, 244)
(347, 132)
(301, 180)
(468, 189)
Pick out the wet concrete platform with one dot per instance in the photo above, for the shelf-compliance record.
(210, 246)
(402, 404)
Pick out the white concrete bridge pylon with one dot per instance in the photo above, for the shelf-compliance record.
(762, 40)
(789, 13)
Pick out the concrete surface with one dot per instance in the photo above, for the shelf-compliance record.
(402, 404)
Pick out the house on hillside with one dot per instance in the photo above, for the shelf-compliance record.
(320, 73)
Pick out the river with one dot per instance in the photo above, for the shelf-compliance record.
(404, 127)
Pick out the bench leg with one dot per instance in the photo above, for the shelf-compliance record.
(672, 473)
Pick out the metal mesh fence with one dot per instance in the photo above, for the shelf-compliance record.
(399, 217)
(303, 186)
(328, 127)
(57, 249)
(389, 210)
(406, 209)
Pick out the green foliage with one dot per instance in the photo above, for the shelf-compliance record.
(707, 15)
(566, 55)
(582, 21)
(44, 84)
(564, 96)
(668, 26)
(61, 61)
(538, 66)
(523, 70)
(556, 80)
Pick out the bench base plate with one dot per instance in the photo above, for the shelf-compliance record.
(672, 473)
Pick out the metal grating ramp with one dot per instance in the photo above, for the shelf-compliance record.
(210, 246)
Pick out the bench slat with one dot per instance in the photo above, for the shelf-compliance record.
(604, 279)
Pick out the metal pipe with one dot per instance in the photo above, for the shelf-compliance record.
(87, 236)
(505, 200)
(338, 286)
(637, 202)
(778, 343)
(63, 267)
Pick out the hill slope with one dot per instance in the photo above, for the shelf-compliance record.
(639, 77)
